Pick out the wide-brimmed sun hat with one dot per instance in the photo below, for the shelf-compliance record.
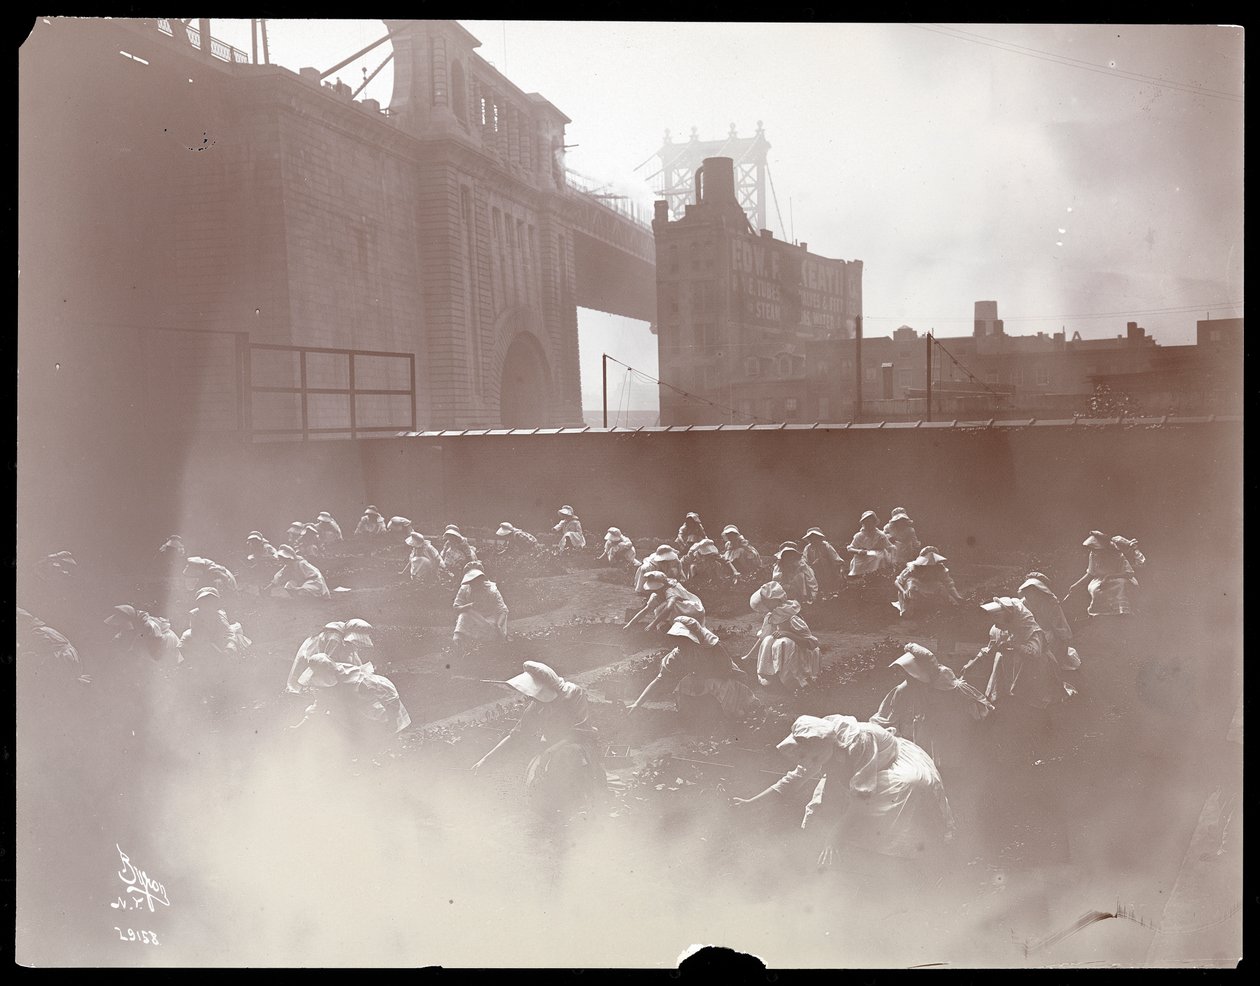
(1119, 541)
(207, 591)
(537, 681)
(121, 615)
(358, 633)
(320, 672)
(415, 539)
(254, 536)
(693, 629)
(452, 529)
(693, 516)
(565, 511)
(1096, 539)
(663, 553)
(286, 551)
(730, 529)
(930, 556)
(787, 549)
(999, 604)
(472, 575)
(657, 579)
(613, 534)
(504, 530)
(324, 515)
(705, 546)
(869, 513)
(767, 597)
(919, 663)
(1035, 580)
(813, 532)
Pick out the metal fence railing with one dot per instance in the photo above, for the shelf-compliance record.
(322, 393)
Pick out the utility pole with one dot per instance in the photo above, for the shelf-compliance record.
(929, 375)
(604, 364)
(857, 363)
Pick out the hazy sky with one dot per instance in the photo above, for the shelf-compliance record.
(1081, 176)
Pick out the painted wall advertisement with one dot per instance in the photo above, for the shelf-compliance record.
(776, 284)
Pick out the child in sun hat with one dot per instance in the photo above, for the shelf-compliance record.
(664, 560)
(140, 633)
(703, 565)
(1035, 593)
(518, 541)
(870, 549)
(787, 650)
(690, 532)
(669, 598)
(566, 772)
(457, 551)
(1111, 574)
(618, 549)
(739, 553)
(925, 585)
(904, 538)
(209, 629)
(297, 577)
(793, 572)
(824, 561)
(363, 705)
(700, 666)
(569, 529)
(424, 563)
(329, 529)
(931, 706)
(483, 614)
(371, 523)
(875, 790)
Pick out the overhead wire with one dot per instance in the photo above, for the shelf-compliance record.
(1069, 62)
(691, 396)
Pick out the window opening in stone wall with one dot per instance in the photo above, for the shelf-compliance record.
(459, 94)
(470, 281)
(752, 366)
(483, 111)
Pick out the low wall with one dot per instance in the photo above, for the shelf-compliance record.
(974, 492)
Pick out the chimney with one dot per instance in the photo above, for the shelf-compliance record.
(767, 235)
(805, 246)
(716, 181)
(661, 214)
(1134, 331)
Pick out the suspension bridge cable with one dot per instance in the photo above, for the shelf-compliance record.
(777, 210)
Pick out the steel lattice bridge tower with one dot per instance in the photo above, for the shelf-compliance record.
(680, 159)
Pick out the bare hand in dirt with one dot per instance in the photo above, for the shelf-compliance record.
(826, 857)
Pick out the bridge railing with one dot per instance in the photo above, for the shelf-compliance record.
(221, 50)
(624, 207)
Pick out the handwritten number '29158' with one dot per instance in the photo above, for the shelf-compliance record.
(145, 937)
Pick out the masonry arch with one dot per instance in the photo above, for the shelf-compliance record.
(525, 384)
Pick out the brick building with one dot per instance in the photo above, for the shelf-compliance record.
(754, 329)
(737, 309)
